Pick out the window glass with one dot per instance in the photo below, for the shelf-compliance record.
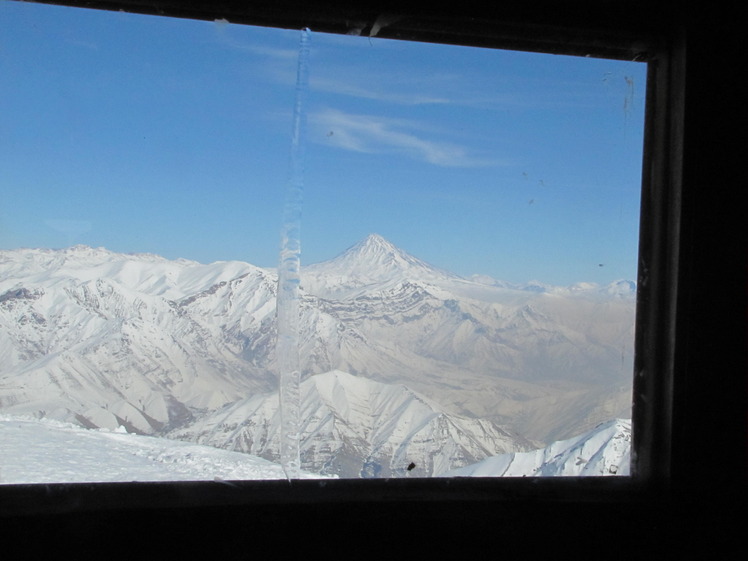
(469, 246)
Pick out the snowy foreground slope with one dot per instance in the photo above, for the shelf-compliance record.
(167, 347)
(46, 451)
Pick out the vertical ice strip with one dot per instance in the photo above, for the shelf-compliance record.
(289, 268)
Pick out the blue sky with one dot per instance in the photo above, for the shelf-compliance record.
(148, 134)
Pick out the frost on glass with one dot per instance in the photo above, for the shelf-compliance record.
(289, 276)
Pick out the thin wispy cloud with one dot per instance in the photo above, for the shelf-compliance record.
(379, 135)
(467, 89)
(225, 36)
(441, 89)
(348, 88)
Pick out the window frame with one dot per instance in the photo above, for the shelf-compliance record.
(667, 284)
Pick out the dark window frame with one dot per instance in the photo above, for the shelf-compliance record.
(672, 320)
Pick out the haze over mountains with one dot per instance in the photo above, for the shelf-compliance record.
(401, 361)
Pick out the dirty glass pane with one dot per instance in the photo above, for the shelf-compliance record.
(469, 232)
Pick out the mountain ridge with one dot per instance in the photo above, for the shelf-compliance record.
(355, 427)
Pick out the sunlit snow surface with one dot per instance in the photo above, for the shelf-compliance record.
(605, 450)
(46, 451)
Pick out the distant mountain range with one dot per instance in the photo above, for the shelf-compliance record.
(388, 344)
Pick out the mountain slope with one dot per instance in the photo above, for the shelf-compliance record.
(605, 450)
(372, 264)
(45, 451)
(354, 427)
(89, 336)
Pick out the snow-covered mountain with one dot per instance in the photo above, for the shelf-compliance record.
(373, 264)
(105, 339)
(516, 355)
(355, 427)
(605, 450)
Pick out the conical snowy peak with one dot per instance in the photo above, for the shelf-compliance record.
(376, 253)
(372, 264)
(373, 245)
